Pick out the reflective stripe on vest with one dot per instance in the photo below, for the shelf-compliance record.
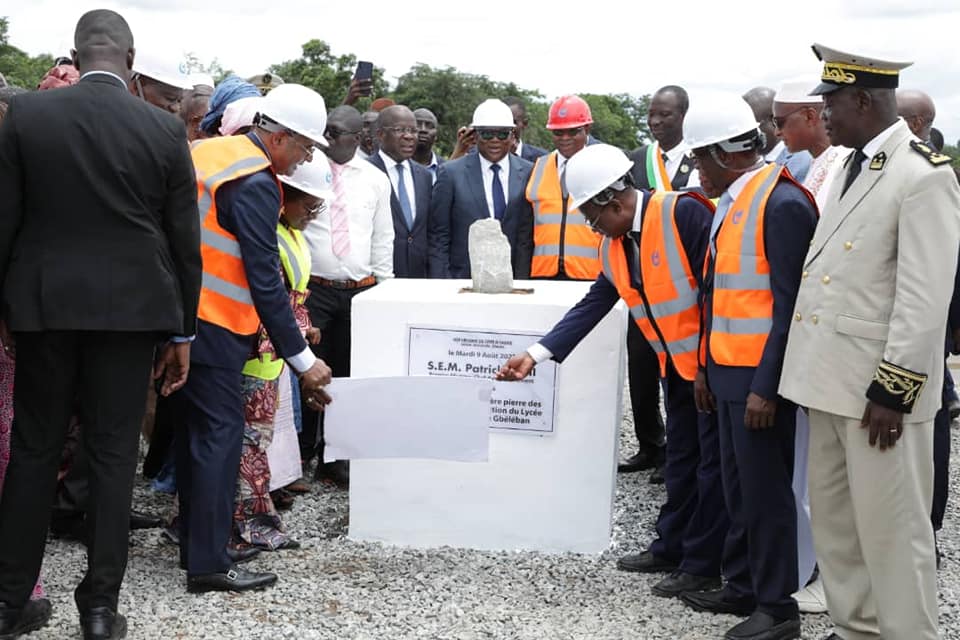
(225, 294)
(580, 242)
(742, 297)
(669, 286)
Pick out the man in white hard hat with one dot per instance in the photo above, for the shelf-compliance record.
(487, 184)
(239, 200)
(865, 355)
(660, 280)
(760, 233)
(160, 82)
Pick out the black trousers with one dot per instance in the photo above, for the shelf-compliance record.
(643, 370)
(329, 310)
(109, 372)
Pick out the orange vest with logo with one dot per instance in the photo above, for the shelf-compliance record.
(225, 294)
(670, 289)
(742, 314)
(563, 242)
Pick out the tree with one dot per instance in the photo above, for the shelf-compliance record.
(619, 119)
(215, 68)
(17, 66)
(326, 73)
(954, 152)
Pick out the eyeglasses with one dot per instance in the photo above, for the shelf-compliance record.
(308, 150)
(782, 120)
(567, 133)
(336, 133)
(489, 134)
(316, 209)
(402, 131)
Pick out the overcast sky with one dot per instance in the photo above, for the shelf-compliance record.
(599, 46)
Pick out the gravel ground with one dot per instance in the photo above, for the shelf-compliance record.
(335, 588)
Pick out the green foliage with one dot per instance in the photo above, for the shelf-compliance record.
(619, 119)
(17, 66)
(326, 73)
(954, 152)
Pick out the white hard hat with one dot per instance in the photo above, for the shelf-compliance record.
(299, 109)
(593, 169)
(162, 70)
(200, 79)
(715, 119)
(314, 177)
(492, 113)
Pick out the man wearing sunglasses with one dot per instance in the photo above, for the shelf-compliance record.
(486, 184)
(760, 100)
(652, 251)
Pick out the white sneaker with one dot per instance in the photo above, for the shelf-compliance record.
(811, 598)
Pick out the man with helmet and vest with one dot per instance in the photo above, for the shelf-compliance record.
(759, 236)
(240, 200)
(652, 251)
(159, 82)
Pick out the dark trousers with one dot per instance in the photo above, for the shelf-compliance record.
(208, 438)
(941, 453)
(109, 373)
(329, 310)
(643, 370)
(760, 555)
(693, 521)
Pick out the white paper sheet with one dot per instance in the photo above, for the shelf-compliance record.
(408, 417)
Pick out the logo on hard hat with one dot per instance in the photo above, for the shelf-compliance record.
(736, 216)
(184, 69)
(655, 258)
(562, 112)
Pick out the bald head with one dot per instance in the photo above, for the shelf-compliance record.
(390, 116)
(103, 41)
(918, 110)
(760, 100)
(344, 118)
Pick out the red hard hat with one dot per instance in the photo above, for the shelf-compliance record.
(569, 112)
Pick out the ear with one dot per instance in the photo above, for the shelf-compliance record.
(75, 58)
(863, 100)
(131, 54)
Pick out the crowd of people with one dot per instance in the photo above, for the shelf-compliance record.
(180, 259)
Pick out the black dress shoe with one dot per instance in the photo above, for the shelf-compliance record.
(140, 520)
(645, 562)
(243, 554)
(642, 460)
(288, 545)
(719, 601)
(101, 623)
(236, 579)
(763, 626)
(32, 616)
(657, 476)
(678, 582)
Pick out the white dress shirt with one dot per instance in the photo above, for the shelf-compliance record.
(775, 152)
(674, 159)
(367, 193)
(487, 174)
(391, 166)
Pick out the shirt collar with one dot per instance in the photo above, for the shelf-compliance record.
(389, 162)
(736, 187)
(638, 212)
(871, 148)
(434, 162)
(775, 152)
(676, 153)
(519, 150)
(104, 73)
(486, 164)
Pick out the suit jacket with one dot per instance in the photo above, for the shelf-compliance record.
(459, 200)
(798, 164)
(99, 228)
(531, 152)
(872, 308)
(410, 250)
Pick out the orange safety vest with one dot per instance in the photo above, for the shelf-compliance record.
(742, 297)
(563, 242)
(225, 294)
(670, 291)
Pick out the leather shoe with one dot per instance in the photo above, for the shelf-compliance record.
(763, 626)
(101, 623)
(32, 616)
(645, 562)
(680, 581)
(234, 579)
(140, 520)
(642, 460)
(657, 476)
(719, 601)
(238, 555)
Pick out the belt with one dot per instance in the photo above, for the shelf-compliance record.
(344, 284)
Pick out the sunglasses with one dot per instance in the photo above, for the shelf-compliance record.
(402, 131)
(488, 134)
(782, 120)
(567, 133)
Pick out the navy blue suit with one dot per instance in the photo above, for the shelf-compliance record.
(692, 523)
(760, 559)
(941, 422)
(209, 408)
(531, 152)
(459, 200)
(410, 250)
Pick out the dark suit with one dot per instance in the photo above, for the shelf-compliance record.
(760, 559)
(459, 200)
(410, 250)
(531, 152)
(678, 180)
(99, 258)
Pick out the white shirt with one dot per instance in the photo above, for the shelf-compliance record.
(871, 148)
(519, 150)
(775, 152)
(104, 73)
(367, 192)
(733, 192)
(391, 166)
(487, 174)
(674, 158)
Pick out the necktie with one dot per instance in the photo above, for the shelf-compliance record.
(856, 164)
(722, 207)
(339, 220)
(499, 201)
(403, 198)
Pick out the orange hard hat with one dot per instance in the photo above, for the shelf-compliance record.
(569, 112)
